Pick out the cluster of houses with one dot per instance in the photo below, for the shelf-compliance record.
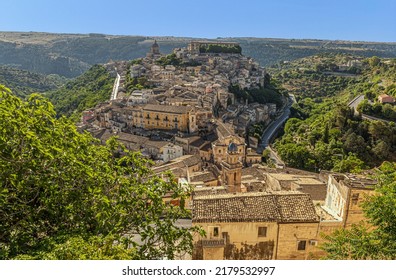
(190, 124)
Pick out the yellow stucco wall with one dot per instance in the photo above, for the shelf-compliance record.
(289, 237)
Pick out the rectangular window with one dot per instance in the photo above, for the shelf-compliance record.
(215, 231)
(262, 231)
(355, 198)
(301, 245)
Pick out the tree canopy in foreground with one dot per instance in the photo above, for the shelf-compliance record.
(377, 238)
(65, 196)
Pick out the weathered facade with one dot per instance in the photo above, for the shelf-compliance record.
(232, 169)
(344, 197)
(255, 226)
(220, 147)
(180, 118)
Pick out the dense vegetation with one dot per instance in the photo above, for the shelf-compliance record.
(383, 111)
(63, 195)
(375, 239)
(270, 93)
(215, 48)
(324, 133)
(274, 51)
(23, 82)
(171, 59)
(382, 82)
(315, 77)
(84, 92)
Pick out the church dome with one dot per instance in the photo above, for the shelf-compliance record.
(155, 45)
(155, 48)
(232, 148)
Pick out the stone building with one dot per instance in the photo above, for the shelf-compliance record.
(232, 169)
(139, 97)
(220, 147)
(195, 46)
(252, 157)
(171, 151)
(255, 226)
(154, 51)
(297, 182)
(384, 98)
(344, 196)
(180, 118)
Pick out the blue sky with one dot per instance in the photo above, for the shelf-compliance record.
(361, 20)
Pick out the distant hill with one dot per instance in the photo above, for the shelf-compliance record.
(23, 83)
(70, 55)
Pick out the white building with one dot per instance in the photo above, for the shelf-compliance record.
(139, 97)
(171, 151)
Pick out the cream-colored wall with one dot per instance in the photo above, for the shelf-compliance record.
(159, 123)
(220, 150)
(253, 159)
(284, 236)
(336, 198)
(290, 234)
(239, 233)
(353, 210)
(205, 155)
(273, 183)
(215, 253)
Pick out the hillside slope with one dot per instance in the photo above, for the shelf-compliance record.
(23, 82)
(70, 55)
(323, 132)
(83, 92)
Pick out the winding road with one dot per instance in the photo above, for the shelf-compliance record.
(355, 103)
(275, 125)
(270, 131)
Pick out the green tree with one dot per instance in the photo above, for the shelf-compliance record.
(377, 238)
(65, 196)
(296, 155)
(374, 61)
(381, 150)
(266, 155)
(349, 164)
(83, 92)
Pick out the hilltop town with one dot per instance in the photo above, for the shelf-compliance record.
(178, 110)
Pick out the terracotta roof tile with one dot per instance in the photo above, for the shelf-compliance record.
(254, 207)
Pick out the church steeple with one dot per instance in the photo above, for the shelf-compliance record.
(155, 48)
(232, 169)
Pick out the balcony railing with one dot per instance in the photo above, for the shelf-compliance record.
(213, 242)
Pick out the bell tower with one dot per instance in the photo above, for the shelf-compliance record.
(232, 169)
(154, 51)
(155, 48)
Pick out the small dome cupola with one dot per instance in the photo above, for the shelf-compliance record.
(232, 148)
